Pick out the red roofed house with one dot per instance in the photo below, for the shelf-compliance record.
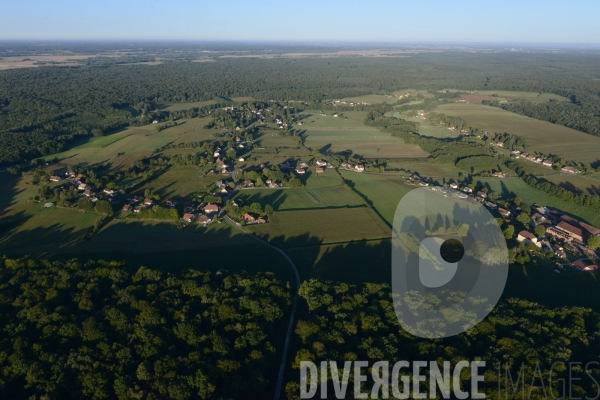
(211, 208)
(583, 267)
(189, 217)
(319, 170)
(249, 218)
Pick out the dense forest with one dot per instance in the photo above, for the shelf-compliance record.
(344, 322)
(96, 330)
(49, 106)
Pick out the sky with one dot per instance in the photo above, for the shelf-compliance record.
(456, 21)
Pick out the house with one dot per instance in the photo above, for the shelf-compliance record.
(126, 207)
(547, 163)
(360, 167)
(504, 212)
(528, 237)
(261, 221)
(148, 202)
(110, 192)
(467, 189)
(300, 171)
(82, 186)
(567, 231)
(170, 203)
(249, 219)
(482, 194)
(491, 205)
(234, 203)
(335, 115)
(321, 163)
(569, 170)
(583, 266)
(454, 186)
(211, 208)
(216, 154)
(203, 219)
(189, 217)
(55, 178)
(319, 170)
(88, 193)
(479, 199)
(241, 159)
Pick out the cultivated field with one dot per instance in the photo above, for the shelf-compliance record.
(320, 192)
(312, 227)
(542, 136)
(588, 184)
(340, 134)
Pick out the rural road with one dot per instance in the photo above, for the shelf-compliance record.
(294, 306)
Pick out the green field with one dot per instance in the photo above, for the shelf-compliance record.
(340, 134)
(382, 192)
(542, 136)
(510, 187)
(371, 99)
(426, 169)
(530, 96)
(180, 181)
(54, 226)
(99, 142)
(588, 184)
(316, 227)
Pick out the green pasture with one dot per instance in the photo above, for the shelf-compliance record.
(180, 181)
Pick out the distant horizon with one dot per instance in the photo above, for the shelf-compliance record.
(551, 22)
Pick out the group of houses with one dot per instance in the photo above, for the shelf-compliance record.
(544, 162)
(204, 217)
(566, 232)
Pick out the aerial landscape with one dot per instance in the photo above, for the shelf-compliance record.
(218, 217)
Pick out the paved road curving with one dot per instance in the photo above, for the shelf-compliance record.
(294, 306)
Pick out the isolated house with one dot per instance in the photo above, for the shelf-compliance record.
(570, 170)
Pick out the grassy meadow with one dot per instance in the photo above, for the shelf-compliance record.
(382, 192)
(324, 226)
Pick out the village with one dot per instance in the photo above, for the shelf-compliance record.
(545, 230)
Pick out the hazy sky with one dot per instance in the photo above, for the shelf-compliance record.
(527, 21)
